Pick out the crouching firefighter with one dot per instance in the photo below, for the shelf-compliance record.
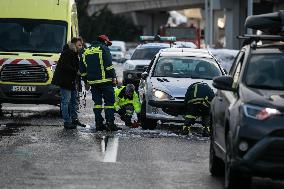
(98, 72)
(126, 103)
(197, 105)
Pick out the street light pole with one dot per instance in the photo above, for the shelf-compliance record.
(249, 13)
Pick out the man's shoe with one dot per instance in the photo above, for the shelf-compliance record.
(100, 127)
(112, 127)
(69, 125)
(78, 123)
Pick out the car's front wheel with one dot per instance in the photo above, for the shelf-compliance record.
(147, 123)
(234, 178)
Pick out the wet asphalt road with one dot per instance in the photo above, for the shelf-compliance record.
(36, 152)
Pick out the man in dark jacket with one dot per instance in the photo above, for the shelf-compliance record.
(65, 76)
(97, 70)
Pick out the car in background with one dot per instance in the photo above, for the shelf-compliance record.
(118, 50)
(247, 119)
(140, 60)
(163, 86)
(184, 44)
(226, 57)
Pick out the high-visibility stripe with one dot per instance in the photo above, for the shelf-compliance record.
(195, 91)
(16, 61)
(110, 67)
(83, 74)
(47, 63)
(99, 81)
(2, 61)
(103, 107)
(98, 107)
(199, 99)
(96, 50)
(108, 107)
(32, 61)
(190, 116)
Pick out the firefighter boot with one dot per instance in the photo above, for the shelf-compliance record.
(100, 127)
(185, 130)
(206, 131)
(112, 127)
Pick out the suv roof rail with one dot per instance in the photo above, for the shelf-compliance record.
(253, 39)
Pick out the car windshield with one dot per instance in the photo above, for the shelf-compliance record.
(30, 35)
(186, 67)
(145, 53)
(115, 48)
(265, 71)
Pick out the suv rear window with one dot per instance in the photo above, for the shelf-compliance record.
(265, 71)
(145, 53)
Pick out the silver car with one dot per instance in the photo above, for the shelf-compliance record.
(162, 88)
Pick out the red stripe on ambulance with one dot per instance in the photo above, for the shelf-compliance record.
(16, 61)
(2, 61)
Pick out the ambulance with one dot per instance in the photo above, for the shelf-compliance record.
(32, 35)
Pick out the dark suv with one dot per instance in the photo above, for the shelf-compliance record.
(247, 115)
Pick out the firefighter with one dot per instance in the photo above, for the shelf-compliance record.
(98, 73)
(197, 104)
(126, 103)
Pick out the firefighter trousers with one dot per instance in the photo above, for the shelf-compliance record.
(103, 93)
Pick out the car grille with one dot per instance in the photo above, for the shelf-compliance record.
(141, 68)
(273, 153)
(24, 73)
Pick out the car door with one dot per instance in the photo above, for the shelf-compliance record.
(142, 89)
(223, 100)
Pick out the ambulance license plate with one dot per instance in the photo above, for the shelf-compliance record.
(23, 88)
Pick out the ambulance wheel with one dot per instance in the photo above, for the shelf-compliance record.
(147, 123)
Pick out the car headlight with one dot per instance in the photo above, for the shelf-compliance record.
(128, 66)
(259, 113)
(53, 67)
(160, 95)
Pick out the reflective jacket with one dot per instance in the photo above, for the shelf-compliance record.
(121, 99)
(96, 64)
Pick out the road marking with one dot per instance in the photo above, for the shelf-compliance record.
(111, 150)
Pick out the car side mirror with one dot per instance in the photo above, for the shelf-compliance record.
(144, 75)
(223, 83)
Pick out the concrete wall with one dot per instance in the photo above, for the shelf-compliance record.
(149, 21)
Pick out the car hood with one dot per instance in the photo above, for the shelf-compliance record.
(139, 62)
(175, 87)
(261, 97)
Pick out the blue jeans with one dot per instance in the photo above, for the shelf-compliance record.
(100, 93)
(69, 105)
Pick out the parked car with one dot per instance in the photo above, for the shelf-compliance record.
(226, 57)
(163, 86)
(118, 50)
(140, 60)
(248, 116)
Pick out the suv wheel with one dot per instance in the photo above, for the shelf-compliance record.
(233, 178)
(147, 123)
(216, 165)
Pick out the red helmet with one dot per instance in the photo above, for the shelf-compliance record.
(105, 39)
